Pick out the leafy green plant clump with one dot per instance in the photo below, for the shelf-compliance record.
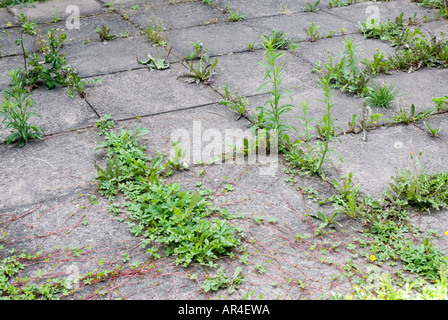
(16, 108)
(186, 223)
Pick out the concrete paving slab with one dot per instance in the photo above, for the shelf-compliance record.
(439, 121)
(100, 58)
(8, 46)
(418, 88)
(86, 31)
(7, 64)
(265, 8)
(384, 10)
(219, 38)
(294, 25)
(244, 73)
(390, 147)
(7, 19)
(44, 11)
(177, 15)
(46, 169)
(143, 92)
(59, 113)
(313, 52)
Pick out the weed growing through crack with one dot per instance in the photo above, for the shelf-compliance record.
(235, 102)
(16, 109)
(278, 40)
(203, 71)
(312, 7)
(104, 33)
(154, 33)
(381, 95)
(313, 32)
(233, 15)
(199, 51)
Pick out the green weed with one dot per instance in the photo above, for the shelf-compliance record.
(16, 109)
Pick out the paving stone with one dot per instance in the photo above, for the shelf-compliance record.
(177, 15)
(99, 58)
(384, 10)
(58, 112)
(7, 64)
(265, 8)
(295, 25)
(46, 169)
(219, 38)
(244, 73)
(7, 19)
(313, 52)
(143, 92)
(439, 121)
(45, 11)
(434, 28)
(390, 147)
(418, 88)
(8, 46)
(86, 31)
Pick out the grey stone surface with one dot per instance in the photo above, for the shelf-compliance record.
(46, 169)
(313, 52)
(143, 92)
(86, 31)
(390, 147)
(177, 15)
(58, 112)
(100, 58)
(6, 18)
(44, 11)
(50, 200)
(384, 10)
(219, 38)
(265, 8)
(294, 25)
(7, 64)
(244, 72)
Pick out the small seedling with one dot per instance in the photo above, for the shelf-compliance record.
(104, 33)
(434, 132)
(233, 15)
(199, 51)
(311, 7)
(154, 33)
(313, 32)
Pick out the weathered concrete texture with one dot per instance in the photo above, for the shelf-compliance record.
(439, 121)
(219, 38)
(8, 45)
(143, 92)
(58, 112)
(390, 147)
(244, 73)
(435, 28)
(418, 88)
(313, 52)
(177, 15)
(118, 3)
(195, 129)
(64, 9)
(7, 19)
(87, 25)
(264, 8)
(98, 58)
(46, 169)
(7, 64)
(383, 10)
(296, 25)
